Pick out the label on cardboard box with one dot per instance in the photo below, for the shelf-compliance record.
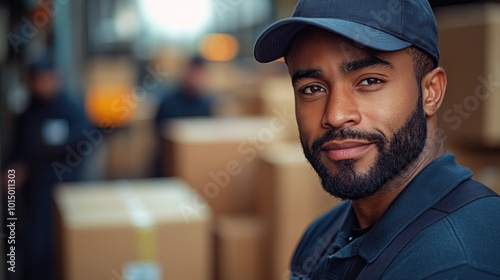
(142, 220)
(144, 270)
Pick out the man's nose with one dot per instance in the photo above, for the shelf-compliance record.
(341, 110)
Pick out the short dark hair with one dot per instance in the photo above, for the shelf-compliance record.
(422, 63)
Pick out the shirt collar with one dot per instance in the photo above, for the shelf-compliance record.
(424, 191)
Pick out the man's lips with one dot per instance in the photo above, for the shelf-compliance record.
(342, 150)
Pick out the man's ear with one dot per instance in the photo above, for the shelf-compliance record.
(433, 90)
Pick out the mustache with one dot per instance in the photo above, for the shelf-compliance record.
(347, 133)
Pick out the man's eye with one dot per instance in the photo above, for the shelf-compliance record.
(370, 81)
(312, 89)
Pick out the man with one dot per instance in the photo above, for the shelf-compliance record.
(189, 98)
(51, 126)
(367, 90)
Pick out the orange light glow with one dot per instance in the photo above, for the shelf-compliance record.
(110, 104)
(219, 47)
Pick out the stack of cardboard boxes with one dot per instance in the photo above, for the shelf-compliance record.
(469, 44)
(217, 156)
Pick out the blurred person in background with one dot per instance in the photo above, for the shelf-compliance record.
(48, 131)
(367, 91)
(189, 98)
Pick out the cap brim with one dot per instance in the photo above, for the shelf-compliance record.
(273, 43)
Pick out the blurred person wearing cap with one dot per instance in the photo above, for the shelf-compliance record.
(45, 133)
(188, 98)
(367, 91)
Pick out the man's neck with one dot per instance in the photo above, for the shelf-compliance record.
(370, 209)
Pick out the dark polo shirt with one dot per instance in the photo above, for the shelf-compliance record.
(463, 245)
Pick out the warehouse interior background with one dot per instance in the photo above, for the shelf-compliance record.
(216, 190)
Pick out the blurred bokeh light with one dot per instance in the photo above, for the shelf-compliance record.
(176, 19)
(219, 47)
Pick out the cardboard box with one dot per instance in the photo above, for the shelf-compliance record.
(239, 248)
(469, 40)
(217, 156)
(276, 93)
(234, 88)
(290, 198)
(130, 151)
(105, 226)
(111, 69)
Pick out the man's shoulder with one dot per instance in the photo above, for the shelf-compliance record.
(464, 242)
(171, 94)
(477, 228)
(477, 224)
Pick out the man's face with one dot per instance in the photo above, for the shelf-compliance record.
(359, 112)
(194, 81)
(44, 84)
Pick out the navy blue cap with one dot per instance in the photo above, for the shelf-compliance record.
(41, 62)
(384, 25)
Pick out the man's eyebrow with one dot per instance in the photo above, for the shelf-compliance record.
(307, 73)
(371, 61)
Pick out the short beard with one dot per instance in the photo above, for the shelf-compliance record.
(393, 157)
